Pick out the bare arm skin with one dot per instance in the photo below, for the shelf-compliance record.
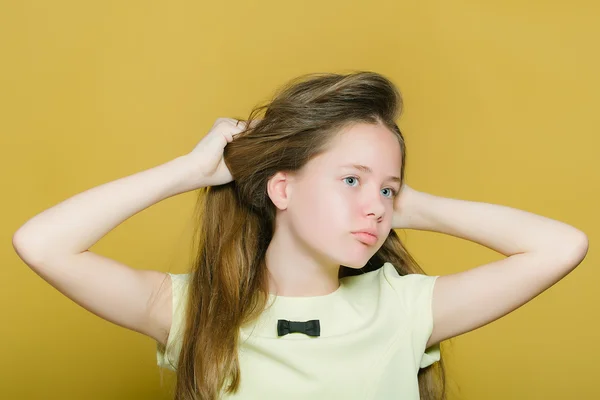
(55, 243)
(540, 251)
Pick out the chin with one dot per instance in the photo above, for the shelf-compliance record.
(356, 262)
(354, 255)
(353, 266)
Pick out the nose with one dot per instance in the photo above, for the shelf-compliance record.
(374, 206)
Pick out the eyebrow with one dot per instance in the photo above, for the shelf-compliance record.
(368, 170)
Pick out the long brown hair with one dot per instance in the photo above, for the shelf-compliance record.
(228, 281)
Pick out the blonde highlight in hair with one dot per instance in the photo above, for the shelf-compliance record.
(228, 284)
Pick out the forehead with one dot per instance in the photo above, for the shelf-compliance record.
(372, 145)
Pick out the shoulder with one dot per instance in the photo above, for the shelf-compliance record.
(394, 278)
(180, 281)
(412, 289)
(179, 286)
(173, 320)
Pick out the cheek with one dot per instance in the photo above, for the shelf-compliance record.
(334, 210)
(323, 212)
(323, 219)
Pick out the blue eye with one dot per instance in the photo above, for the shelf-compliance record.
(392, 191)
(351, 177)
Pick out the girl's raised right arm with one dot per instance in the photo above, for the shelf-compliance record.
(55, 243)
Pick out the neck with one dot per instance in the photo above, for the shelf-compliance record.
(298, 271)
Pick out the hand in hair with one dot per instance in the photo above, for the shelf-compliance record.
(403, 215)
(207, 157)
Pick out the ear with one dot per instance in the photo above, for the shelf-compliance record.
(279, 189)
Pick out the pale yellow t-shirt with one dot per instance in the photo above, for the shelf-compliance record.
(374, 329)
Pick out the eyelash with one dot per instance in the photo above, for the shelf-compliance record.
(394, 193)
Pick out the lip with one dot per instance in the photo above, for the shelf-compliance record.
(367, 236)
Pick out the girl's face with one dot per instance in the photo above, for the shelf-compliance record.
(349, 188)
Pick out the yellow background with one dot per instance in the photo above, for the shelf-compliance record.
(502, 106)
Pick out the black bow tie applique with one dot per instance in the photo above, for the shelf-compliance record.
(311, 328)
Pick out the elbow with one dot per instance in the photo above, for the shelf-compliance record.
(583, 247)
(25, 249)
(566, 252)
(17, 242)
(575, 249)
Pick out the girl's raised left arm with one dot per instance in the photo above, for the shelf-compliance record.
(540, 251)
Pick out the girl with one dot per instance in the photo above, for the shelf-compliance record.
(301, 287)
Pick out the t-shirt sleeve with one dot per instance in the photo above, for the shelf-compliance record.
(416, 294)
(168, 356)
